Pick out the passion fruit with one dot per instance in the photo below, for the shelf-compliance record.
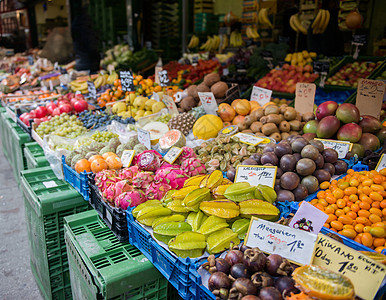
(289, 181)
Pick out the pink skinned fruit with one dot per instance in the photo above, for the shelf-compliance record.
(157, 190)
(116, 189)
(130, 199)
(187, 152)
(128, 173)
(193, 166)
(143, 180)
(148, 160)
(105, 178)
(171, 176)
(325, 109)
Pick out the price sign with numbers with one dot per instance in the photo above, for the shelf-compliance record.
(366, 274)
(381, 163)
(170, 105)
(172, 154)
(91, 89)
(126, 81)
(163, 78)
(260, 95)
(208, 101)
(305, 97)
(292, 244)
(144, 137)
(255, 175)
(268, 57)
(370, 96)
(249, 139)
(358, 40)
(127, 158)
(341, 147)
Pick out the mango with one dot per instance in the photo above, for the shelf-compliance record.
(348, 113)
(370, 124)
(221, 240)
(350, 132)
(325, 109)
(327, 127)
(240, 191)
(225, 209)
(193, 199)
(188, 244)
(260, 209)
(212, 224)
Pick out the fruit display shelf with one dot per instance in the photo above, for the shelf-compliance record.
(112, 269)
(34, 156)
(78, 181)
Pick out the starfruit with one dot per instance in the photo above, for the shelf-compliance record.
(171, 218)
(267, 192)
(221, 240)
(225, 209)
(260, 209)
(194, 198)
(195, 219)
(218, 192)
(188, 244)
(168, 197)
(172, 228)
(240, 191)
(177, 207)
(204, 181)
(258, 194)
(162, 238)
(149, 203)
(194, 181)
(226, 181)
(147, 215)
(182, 193)
(212, 224)
(214, 179)
(240, 227)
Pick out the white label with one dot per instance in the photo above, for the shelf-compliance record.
(172, 155)
(249, 139)
(127, 158)
(155, 96)
(171, 106)
(144, 137)
(51, 86)
(255, 175)
(208, 102)
(292, 244)
(260, 95)
(156, 74)
(341, 147)
(308, 218)
(109, 217)
(381, 163)
(49, 184)
(305, 97)
(11, 114)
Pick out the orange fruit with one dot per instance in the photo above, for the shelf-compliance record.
(82, 165)
(339, 212)
(324, 185)
(336, 225)
(375, 196)
(98, 165)
(92, 158)
(359, 228)
(367, 239)
(349, 233)
(114, 162)
(344, 219)
(107, 154)
(374, 218)
(364, 213)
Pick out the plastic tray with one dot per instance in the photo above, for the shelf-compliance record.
(115, 218)
(197, 290)
(175, 269)
(78, 181)
(103, 268)
(34, 156)
(47, 201)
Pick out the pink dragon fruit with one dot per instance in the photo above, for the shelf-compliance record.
(114, 190)
(128, 173)
(171, 176)
(149, 160)
(131, 198)
(165, 164)
(142, 180)
(193, 166)
(105, 178)
(186, 153)
(157, 190)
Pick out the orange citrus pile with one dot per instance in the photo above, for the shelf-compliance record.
(356, 207)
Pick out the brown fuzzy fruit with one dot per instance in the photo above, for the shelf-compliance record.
(211, 79)
(219, 89)
(188, 103)
(203, 88)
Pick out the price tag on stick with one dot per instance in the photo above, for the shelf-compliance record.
(260, 95)
(91, 89)
(305, 97)
(127, 158)
(144, 137)
(341, 147)
(255, 175)
(209, 103)
(163, 78)
(172, 155)
(170, 104)
(358, 40)
(292, 244)
(370, 96)
(126, 81)
(381, 163)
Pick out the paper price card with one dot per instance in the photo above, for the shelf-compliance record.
(305, 97)
(209, 102)
(260, 95)
(293, 244)
(171, 106)
(163, 78)
(126, 81)
(339, 146)
(366, 274)
(370, 96)
(381, 163)
(127, 158)
(308, 218)
(255, 175)
(91, 89)
(249, 139)
(144, 137)
(172, 155)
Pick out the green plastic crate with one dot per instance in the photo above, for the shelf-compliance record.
(47, 201)
(101, 267)
(34, 156)
(6, 125)
(17, 141)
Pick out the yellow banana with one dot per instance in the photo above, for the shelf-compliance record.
(256, 35)
(263, 16)
(292, 24)
(316, 22)
(324, 26)
(248, 32)
(225, 42)
(322, 20)
(296, 22)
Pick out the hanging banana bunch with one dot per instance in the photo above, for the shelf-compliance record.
(296, 25)
(194, 41)
(321, 21)
(263, 17)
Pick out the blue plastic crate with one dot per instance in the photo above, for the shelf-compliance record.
(78, 181)
(197, 290)
(175, 269)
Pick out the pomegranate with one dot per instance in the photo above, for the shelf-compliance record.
(56, 112)
(41, 112)
(80, 105)
(65, 108)
(50, 107)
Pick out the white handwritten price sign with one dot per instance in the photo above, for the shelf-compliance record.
(370, 96)
(208, 102)
(127, 81)
(305, 97)
(163, 78)
(172, 155)
(91, 89)
(381, 163)
(144, 137)
(249, 139)
(127, 158)
(170, 105)
(366, 274)
(156, 74)
(260, 95)
(255, 175)
(293, 244)
(341, 147)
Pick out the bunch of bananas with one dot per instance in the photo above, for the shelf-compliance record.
(224, 42)
(252, 33)
(296, 25)
(263, 17)
(321, 21)
(236, 39)
(194, 41)
(211, 44)
(79, 86)
(100, 80)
